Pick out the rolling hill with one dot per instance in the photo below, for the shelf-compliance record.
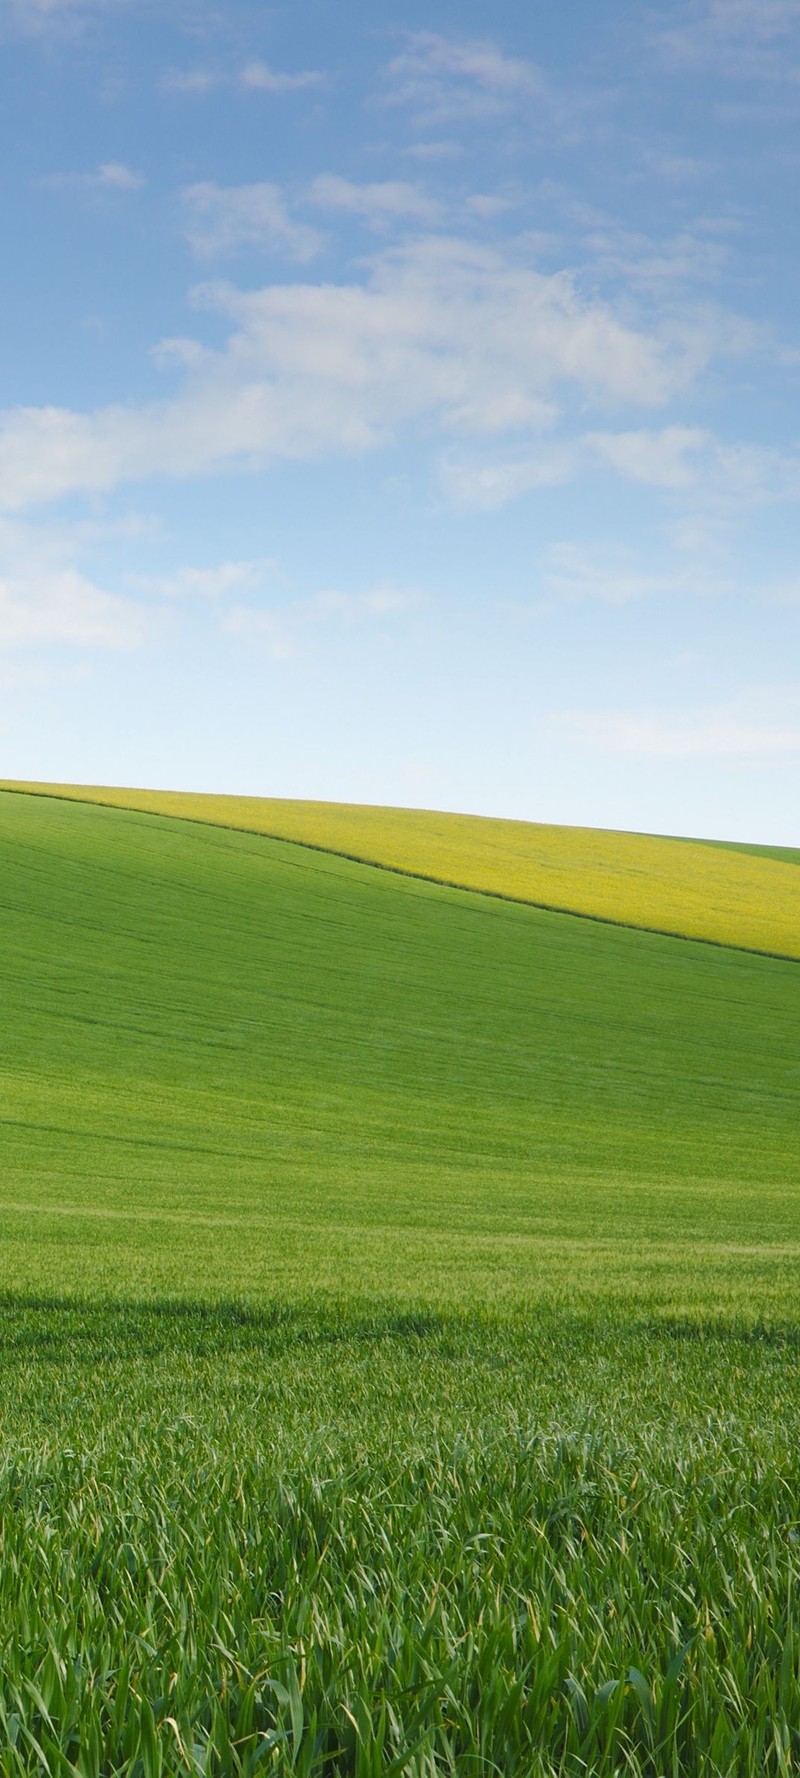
(240, 1067)
(732, 895)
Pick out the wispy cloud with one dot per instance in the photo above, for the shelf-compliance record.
(260, 77)
(382, 201)
(653, 263)
(612, 576)
(381, 601)
(687, 461)
(223, 219)
(291, 630)
(487, 205)
(109, 176)
(444, 150)
(216, 582)
(268, 630)
(48, 599)
(37, 16)
(256, 77)
(690, 459)
(61, 606)
(485, 487)
(37, 673)
(115, 176)
(445, 82)
(725, 731)
(445, 78)
(193, 81)
(671, 458)
(739, 39)
(180, 351)
(460, 337)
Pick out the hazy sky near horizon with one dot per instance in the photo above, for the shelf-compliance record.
(402, 406)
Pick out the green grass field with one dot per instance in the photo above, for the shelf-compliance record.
(399, 1325)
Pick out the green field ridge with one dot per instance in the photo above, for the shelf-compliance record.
(747, 897)
(782, 854)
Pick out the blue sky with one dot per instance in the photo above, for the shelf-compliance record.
(403, 406)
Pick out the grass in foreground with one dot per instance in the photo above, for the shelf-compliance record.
(731, 895)
(322, 1543)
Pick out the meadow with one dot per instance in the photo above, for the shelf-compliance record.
(399, 1322)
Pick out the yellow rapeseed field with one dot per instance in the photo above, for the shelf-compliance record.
(662, 885)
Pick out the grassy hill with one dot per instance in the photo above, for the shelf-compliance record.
(235, 1065)
(732, 895)
(398, 1323)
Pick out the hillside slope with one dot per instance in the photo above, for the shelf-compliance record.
(235, 1067)
(726, 895)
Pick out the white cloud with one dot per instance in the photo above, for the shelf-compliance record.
(689, 459)
(670, 458)
(267, 629)
(722, 732)
(187, 353)
(684, 460)
(382, 601)
(109, 176)
(284, 634)
(261, 78)
(382, 201)
(446, 78)
(114, 175)
(612, 576)
(740, 39)
(39, 15)
(759, 18)
(61, 606)
(196, 81)
(487, 486)
(48, 600)
(20, 674)
(444, 333)
(753, 473)
(223, 219)
(651, 263)
(434, 151)
(616, 575)
(447, 327)
(256, 77)
(487, 205)
(205, 583)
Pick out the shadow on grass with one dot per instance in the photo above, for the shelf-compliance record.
(52, 1327)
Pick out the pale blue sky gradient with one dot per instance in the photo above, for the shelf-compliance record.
(404, 407)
